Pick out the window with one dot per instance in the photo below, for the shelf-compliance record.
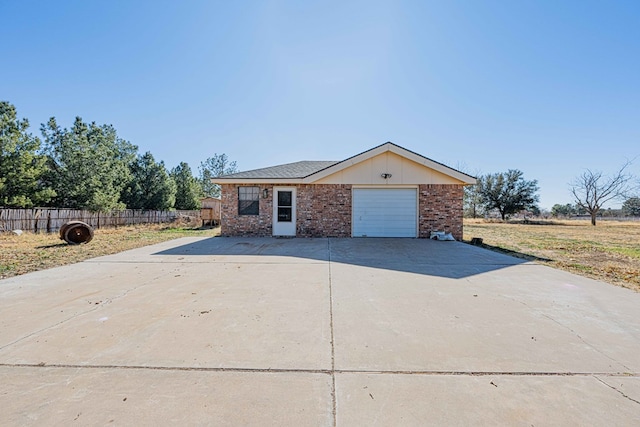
(284, 206)
(248, 200)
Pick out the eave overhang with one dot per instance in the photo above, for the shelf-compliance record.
(323, 173)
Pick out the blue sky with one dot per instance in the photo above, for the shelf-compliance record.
(550, 88)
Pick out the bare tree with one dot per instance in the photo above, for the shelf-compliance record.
(592, 190)
(471, 201)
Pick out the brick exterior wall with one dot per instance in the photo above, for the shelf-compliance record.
(324, 210)
(233, 224)
(440, 209)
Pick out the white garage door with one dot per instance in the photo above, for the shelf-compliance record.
(384, 212)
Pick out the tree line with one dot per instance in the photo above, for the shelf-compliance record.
(88, 166)
(508, 193)
(630, 208)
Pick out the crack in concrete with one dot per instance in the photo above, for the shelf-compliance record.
(94, 308)
(573, 332)
(617, 390)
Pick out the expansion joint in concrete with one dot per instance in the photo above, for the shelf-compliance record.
(330, 372)
(333, 347)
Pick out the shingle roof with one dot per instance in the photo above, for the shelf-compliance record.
(307, 172)
(286, 171)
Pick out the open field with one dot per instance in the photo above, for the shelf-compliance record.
(609, 251)
(30, 252)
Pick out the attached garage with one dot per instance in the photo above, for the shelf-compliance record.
(385, 212)
(387, 191)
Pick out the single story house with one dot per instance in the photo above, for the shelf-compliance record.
(387, 191)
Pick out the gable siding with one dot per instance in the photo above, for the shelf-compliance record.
(403, 171)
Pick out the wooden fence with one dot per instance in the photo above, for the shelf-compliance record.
(49, 220)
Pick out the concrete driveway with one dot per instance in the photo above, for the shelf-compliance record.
(316, 332)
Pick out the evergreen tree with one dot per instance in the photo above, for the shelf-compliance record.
(89, 165)
(631, 206)
(567, 210)
(507, 192)
(188, 190)
(150, 186)
(21, 167)
(215, 166)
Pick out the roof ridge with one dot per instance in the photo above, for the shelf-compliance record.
(311, 170)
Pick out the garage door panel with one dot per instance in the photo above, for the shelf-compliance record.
(384, 212)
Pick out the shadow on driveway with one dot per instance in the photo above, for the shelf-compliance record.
(420, 256)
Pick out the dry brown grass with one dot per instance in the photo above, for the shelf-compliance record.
(610, 251)
(30, 252)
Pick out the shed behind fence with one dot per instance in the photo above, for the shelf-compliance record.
(210, 211)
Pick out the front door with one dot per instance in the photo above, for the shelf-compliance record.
(284, 211)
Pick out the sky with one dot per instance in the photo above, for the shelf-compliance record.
(550, 88)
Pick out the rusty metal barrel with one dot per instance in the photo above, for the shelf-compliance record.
(76, 232)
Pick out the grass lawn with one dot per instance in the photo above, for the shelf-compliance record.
(30, 252)
(610, 251)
